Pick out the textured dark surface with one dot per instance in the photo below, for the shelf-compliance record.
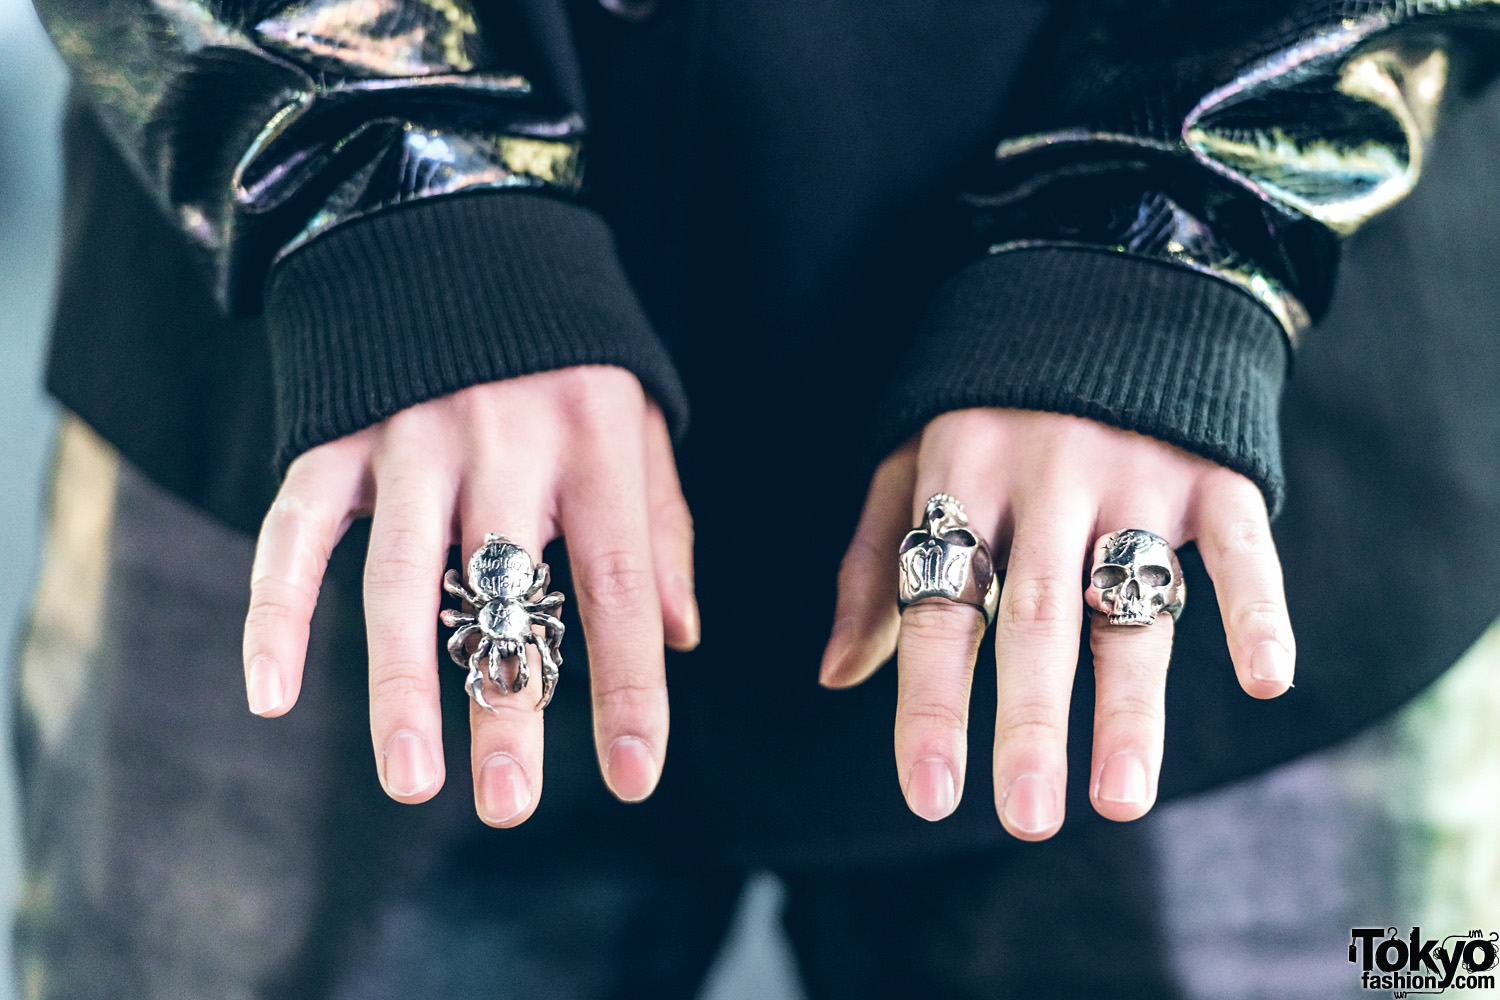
(470, 290)
(1135, 343)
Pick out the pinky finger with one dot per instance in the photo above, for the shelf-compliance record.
(307, 519)
(1234, 538)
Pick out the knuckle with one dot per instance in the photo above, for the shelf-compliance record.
(1243, 537)
(400, 683)
(616, 583)
(1263, 619)
(399, 555)
(670, 515)
(600, 401)
(300, 516)
(628, 696)
(974, 429)
(1133, 712)
(938, 623)
(928, 713)
(1031, 725)
(861, 560)
(273, 604)
(1038, 604)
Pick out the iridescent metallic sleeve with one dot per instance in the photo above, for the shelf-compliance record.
(1245, 158)
(261, 126)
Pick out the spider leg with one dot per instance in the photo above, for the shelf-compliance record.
(454, 584)
(541, 579)
(475, 686)
(549, 670)
(555, 630)
(476, 681)
(523, 669)
(453, 619)
(548, 603)
(459, 639)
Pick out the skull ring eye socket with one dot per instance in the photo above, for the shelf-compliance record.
(1155, 576)
(1106, 577)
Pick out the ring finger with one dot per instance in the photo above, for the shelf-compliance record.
(1130, 680)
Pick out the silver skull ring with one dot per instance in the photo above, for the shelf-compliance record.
(1136, 576)
(944, 558)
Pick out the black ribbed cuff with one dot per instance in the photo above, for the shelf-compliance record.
(413, 303)
(1146, 346)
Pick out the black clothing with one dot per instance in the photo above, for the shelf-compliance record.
(777, 179)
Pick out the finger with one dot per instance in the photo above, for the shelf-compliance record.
(935, 656)
(1130, 682)
(505, 737)
(939, 640)
(506, 758)
(1234, 538)
(865, 619)
(671, 537)
(606, 521)
(311, 512)
(1036, 654)
(402, 588)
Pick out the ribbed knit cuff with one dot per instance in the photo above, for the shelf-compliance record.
(418, 302)
(1146, 346)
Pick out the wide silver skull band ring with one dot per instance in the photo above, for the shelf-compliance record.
(503, 601)
(1135, 578)
(944, 558)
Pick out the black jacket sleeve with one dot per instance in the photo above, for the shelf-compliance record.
(1163, 223)
(393, 183)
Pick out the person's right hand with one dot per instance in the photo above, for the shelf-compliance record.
(579, 452)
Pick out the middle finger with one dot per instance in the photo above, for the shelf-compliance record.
(1036, 654)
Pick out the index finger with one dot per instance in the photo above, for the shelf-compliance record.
(310, 514)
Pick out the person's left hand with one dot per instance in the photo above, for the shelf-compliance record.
(1041, 488)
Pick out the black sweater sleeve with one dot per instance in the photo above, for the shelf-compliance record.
(1163, 224)
(394, 184)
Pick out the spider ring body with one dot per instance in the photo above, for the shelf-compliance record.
(504, 602)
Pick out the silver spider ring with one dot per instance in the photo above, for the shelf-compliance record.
(503, 602)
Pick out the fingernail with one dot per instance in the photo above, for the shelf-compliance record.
(835, 651)
(263, 686)
(504, 790)
(409, 769)
(630, 769)
(690, 619)
(1030, 804)
(1122, 779)
(1272, 662)
(931, 790)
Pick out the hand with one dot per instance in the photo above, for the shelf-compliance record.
(1042, 487)
(579, 452)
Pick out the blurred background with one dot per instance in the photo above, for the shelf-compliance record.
(31, 89)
